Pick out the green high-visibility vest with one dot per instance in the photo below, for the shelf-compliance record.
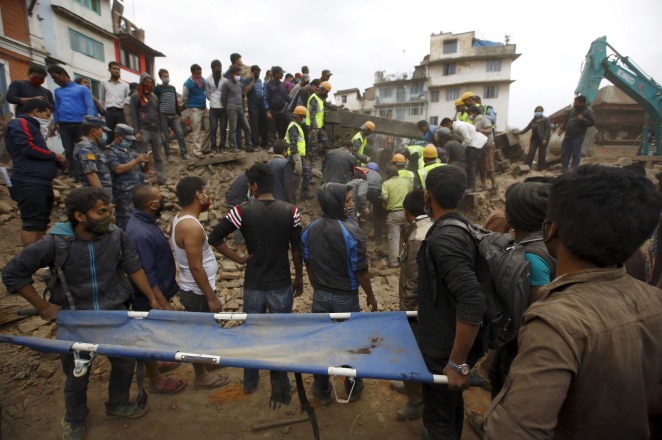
(319, 116)
(413, 149)
(408, 176)
(301, 141)
(363, 139)
(423, 172)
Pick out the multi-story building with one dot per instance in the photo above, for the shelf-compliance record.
(85, 35)
(352, 100)
(20, 43)
(457, 63)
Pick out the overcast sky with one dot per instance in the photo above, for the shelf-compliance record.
(358, 37)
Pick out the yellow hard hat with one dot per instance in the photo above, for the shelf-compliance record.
(398, 158)
(466, 95)
(327, 85)
(369, 125)
(459, 102)
(430, 152)
(300, 110)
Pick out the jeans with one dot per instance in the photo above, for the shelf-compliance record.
(75, 388)
(200, 120)
(218, 121)
(472, 155)
(327, 302)
(237, 117)
(537, 144)
(395, 222)
(281, 120)
(70, 134)
(443, 415)
(258, 120)
(271, 301)
(571, 148)
(153, 138)
(173, 122)
(114, 116)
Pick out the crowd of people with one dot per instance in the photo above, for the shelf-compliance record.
(589, 329)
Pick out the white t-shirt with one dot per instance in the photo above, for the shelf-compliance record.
(470, 137)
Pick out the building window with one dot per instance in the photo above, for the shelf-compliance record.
(434, 120)
(400, 94)
(344, 99)
(491, 92)
(450, 46)
(386, 92)
(452, 94)
(95, 85)
(4, 108)
(92, 5)
(434, 96)
(86, 45)
(494, 66)
(416, 89)
(414, 110)
(449, 69)
(400, 114)
(129, 59)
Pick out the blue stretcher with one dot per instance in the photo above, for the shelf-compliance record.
(365, 345)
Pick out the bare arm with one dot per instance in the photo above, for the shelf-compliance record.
(364, 282)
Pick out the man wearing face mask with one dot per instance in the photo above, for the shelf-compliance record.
(576, 123)
(194, 98)
(170, 112)
(541, 131)
(147, 123)
(99, 262)
(21, 91)
(317, 138)
(232, 98)
(334, 251)
(276, 98)
(35, 167)
(127, 169)
(89, 157)
(197, 263)
(159, 266)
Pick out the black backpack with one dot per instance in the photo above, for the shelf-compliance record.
(504, 275)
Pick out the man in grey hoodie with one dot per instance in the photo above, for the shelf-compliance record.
(94, 256)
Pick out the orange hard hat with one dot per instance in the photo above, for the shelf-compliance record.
(398, 158)
(430, 152)
(300, 110)
(369, 125)
(326, 85)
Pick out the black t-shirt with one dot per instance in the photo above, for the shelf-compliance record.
(269, 227)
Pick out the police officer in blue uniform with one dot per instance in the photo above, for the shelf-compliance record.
(88, 155)
(127, 167)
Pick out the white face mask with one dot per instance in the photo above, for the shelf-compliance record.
(237, 78)
(43, 126)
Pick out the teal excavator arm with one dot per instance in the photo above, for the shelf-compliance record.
(629, 78)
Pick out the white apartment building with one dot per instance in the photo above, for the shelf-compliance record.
(457, 63)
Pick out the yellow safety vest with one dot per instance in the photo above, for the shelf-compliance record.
(319, 116)
(408, 176)
(464, 117)
(423, 172)
(363, 139)
(301, 141)
(413, 149)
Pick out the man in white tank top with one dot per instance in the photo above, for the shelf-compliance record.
(197, 263)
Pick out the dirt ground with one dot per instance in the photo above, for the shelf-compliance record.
(31, 382)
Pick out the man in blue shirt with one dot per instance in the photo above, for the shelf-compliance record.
(159, 266)
(257, 113)
(72, 103)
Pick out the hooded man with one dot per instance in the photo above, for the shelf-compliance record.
(334, 250)
(147, 122)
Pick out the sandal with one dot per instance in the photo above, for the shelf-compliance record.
(164, 367)
(170, 385)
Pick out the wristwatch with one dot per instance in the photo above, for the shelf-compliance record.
(463, 369)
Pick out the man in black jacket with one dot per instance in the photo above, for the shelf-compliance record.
(35, 167)
(451, 304)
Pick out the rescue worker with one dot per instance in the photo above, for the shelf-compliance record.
(360, 140)
(428, 130)
(88, 155)
(400, 162)
(414, 156)
(431, 161)
(460, 111)
(296, 141)
(126, 167)
(315, 121)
